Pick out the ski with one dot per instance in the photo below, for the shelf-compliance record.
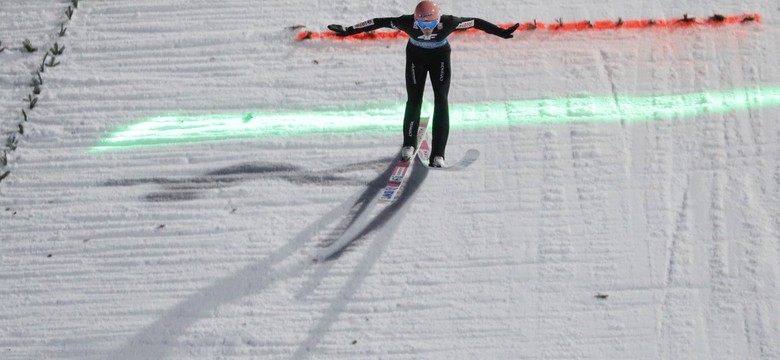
(402, 169)
(468, 158)
(424, 154)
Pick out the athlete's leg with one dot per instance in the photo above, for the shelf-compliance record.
(415, 87)
(440, 79)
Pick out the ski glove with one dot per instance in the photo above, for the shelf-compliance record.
(507, 33)
(339, 30)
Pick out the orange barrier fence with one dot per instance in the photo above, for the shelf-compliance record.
(684, 22)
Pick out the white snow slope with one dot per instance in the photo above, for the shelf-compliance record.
(656, 239)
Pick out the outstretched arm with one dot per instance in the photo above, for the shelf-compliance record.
(486, 26)
(368, 25)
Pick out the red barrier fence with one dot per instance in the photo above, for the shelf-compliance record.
(560, 26)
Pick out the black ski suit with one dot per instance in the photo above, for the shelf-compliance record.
(427, 54)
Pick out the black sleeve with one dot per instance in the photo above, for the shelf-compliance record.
(463, 23)
(373, 24)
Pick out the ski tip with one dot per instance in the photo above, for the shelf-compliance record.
(468, 158)
(323, 257)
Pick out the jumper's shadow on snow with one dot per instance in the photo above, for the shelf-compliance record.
(184, 189)
(161, 337)
(364, 206)
(383, 225)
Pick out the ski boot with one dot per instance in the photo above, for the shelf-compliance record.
(437, 161)
(407, 152)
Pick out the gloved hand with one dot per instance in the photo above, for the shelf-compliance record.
(338, 29)
(507, 33)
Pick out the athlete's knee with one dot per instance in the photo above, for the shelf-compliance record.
(440, 99)
(414, 101)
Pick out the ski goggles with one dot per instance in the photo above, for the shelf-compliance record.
(427, 24)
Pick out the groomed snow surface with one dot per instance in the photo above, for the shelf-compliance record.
(656, 239)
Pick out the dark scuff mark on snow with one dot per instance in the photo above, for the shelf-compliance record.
(186, 189)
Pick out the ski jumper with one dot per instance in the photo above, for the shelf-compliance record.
(427, 54)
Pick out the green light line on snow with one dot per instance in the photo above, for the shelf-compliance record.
(183, 129)
(175, 129)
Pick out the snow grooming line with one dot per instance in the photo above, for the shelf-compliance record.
(560, 26)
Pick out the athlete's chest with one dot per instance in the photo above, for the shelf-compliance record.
(429, 37)
(438, 33)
